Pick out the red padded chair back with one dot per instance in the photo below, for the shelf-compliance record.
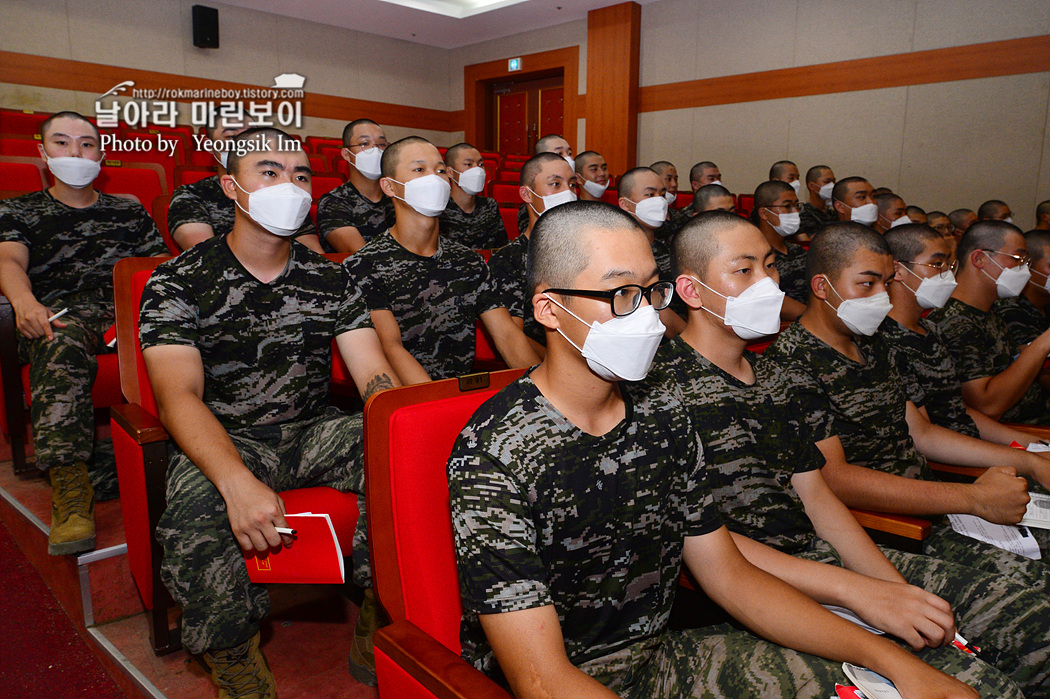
(146, 183)
(682, 200)
(506, 194)
(21, 122)
(610, 196)
(323, 183)
(409, 433)
(744, 204)
(20, 178)
(510, 221)
(146, 399)
(25, 147)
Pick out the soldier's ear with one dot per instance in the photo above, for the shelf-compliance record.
(685, 288)
(819, 286)
(543, 312)
(229, 187)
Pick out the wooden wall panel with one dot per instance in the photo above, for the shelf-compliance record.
(613, 46)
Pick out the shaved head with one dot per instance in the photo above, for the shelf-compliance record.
(532, 168)
(696, 244)
(392, 155)
(984, 235)
(834, 247)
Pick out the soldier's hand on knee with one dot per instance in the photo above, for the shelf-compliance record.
(31, 319)
(1000, 495)
(255, 511)
(919, 618)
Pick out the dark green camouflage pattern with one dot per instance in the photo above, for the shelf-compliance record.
(345, 206)
(481, 229)
(980, 345)
(545, 514)
(266, 348)
(508, 270)
(435, 300)
(812, 220)
(1024, 322)
(203, 566)
(792, 269)
(924, 360)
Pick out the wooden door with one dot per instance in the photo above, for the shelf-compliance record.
(552, 109)
(512, 123)
(524, 111)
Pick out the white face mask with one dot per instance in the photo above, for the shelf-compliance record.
(552, 200)
(222, 157)
(671, 197)
(280, 209)
(652, 211)
(902, 221)
(755, 312)
(428, 194)
(865, 213)
(1011, 281)
(825, 192)
(789, 223)
(572, 163)
(593, 188)
(1008, 219)
(933, 292)
(718, 182)
(367, 162)
(797, 186)
(75, 172)
(471, 180)
(862, 316)
(620, 349)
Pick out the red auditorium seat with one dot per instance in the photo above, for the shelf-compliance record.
(22, 146)
(325, 182)
(21, 175)
(510, 221)
(200, 158)
(159, 211)
(409, 434)
(17, 121)
(144, 180)
(188, 174)
(508, 176)
(683, 200)
(141, 446)
(506, 194)
(609, 196)
(313, 143)
(744, 204)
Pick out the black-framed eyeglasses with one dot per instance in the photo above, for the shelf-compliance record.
(1025, 259)
(626, 299)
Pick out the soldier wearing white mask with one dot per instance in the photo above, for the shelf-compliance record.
(995, 210)
(893, 212)
(817, 211)
(352, 214)
(704, 173)
(592, 175)
(776, 214)
(551, 143)
(470, 218)
(787, 172)
(1025, 314)
(853, 200)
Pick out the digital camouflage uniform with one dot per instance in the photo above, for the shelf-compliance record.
(266, 353)
(792, 269)
(812, 219)
(1024, 322)
(924, 360)
(345, 206)
(755, 442)
(435, 300)
(71, 256)
(481, 229)
(523, 218)
(508, 268)
(204, 201)
(545, 514)
(980, 345)
(676, 218)
(864, 406)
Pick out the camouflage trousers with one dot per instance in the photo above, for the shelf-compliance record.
(722, 661)
(948, 545)
(203, 567)
(61, 374)
(1008, 621)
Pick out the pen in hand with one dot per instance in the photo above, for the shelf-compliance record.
(58, 315)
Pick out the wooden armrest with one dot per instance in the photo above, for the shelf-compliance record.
(898, 525)
(439, 670)
(140, 425)
(1040, 431)
(973, 472)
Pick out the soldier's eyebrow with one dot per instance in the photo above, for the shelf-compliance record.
(749, 258)
(270, 163)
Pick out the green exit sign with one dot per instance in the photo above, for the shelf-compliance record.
(513, 64)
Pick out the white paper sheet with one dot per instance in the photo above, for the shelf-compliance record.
(1011, 538)
(850, 615)
(1038, 512)
(871, 683)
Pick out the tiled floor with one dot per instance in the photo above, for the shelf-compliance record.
(306, 639)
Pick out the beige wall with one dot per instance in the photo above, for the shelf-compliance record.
(941, 146)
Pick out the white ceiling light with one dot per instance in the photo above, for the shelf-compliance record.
(458, 9)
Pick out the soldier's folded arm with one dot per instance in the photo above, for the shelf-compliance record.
(177, 376)
(529, 646)
(510, 340)
(30, 315)
(407, 368)
(363, 353)
(345, 239)
(189, 234)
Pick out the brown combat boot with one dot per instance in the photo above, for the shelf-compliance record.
(72, 510)
(241, 672)
(362, 653)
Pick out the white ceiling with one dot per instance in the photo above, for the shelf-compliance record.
(471, 21)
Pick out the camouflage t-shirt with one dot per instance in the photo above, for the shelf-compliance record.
(523, 218)
(676, 218)
(863, 404)
(924, 360)
(345, 206)
(204, 201)
(812, 219)
(546, 514)
(266, 347)
(435, 300)
(754, 442)
(508, 269)
(481, 229)
(980, 345)
(72, 251)
(1024, 322)
(792, 269)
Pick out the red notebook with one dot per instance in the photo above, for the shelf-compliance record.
(315, 556)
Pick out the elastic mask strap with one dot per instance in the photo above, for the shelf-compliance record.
(721, 318)
(833, 289)
(578, 348)
(540, 214)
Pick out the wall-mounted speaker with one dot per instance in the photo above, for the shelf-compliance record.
(205, 27)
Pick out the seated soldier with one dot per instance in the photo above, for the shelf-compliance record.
(1025, 314)
(712, 197)
(569, 593)
(201, 210)
(998, 379)
(995, 210)
(817, 212)
(676, 217)
(641, 193)
(918, 350)
(787, 172)
(425, 292)
(853, 201)
(892, 211)
(592, 175)
(546, 181)
(879, 191)
(704, 173)
(765, 471)
(961, 220)
(916, 214)
(551, 143)
(939, 221)
(1042, 216)
(874, 435)
(236, 335)
(470, 219)
(776, 214)
(57, 251)
(353, 213)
